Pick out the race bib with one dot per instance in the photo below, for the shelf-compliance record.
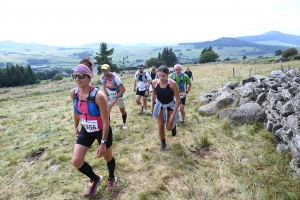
(181, 94)
(90, 125)
(142, 89)
(112, 94)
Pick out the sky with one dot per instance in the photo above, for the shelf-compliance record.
(75, 22)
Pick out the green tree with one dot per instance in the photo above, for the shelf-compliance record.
(57, 77)
(9, 77)
(278, 53)
(2, 77)
(154, 61)
(168, 56)
(17, 77)
(289, 52)
(209, 56)
(244, 57)
(105, 57)
(32, 75)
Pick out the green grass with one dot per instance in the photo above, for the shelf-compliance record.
(208, 159)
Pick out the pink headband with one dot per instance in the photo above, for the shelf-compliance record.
(84, 69)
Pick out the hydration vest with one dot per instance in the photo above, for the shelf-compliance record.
(181, 83)
(144, 77)
(92, 106)
(113, 81)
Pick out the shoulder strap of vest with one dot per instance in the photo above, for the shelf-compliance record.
(75, 96)
(182, 77)
(92, 94)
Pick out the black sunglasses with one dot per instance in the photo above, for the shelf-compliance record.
(80, 76)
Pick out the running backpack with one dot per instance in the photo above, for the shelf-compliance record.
(92, 106)
(113, 81)
(181, 83)
(144, 77)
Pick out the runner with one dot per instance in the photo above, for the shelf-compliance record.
(114, 89)
(90, 107)
(153, 75)
(163, 105)
(181, 79)
(141, 87)
(190, 75)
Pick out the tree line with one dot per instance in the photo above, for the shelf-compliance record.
(17, 76)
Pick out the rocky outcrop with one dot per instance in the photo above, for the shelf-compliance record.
(273, 100)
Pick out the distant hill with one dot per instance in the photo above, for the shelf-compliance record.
(260, 49)
(8, 45)
(273, 36)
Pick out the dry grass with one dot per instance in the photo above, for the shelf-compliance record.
(239, 162)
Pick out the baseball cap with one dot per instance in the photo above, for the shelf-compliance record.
(140, 66)
(105, 66)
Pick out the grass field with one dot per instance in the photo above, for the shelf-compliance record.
(208, 159)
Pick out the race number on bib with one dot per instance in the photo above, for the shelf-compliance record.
(112, 94)
(90, 125)
(181, 94)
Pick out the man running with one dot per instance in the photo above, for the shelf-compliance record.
(114, 89)
(190, 75)
(153, 75)
(181, 79)
(141, 87)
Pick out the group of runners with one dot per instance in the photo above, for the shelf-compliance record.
(92, 108)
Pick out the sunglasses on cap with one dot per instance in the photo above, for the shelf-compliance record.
(80, 76)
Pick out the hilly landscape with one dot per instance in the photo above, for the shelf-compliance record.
(45, 57)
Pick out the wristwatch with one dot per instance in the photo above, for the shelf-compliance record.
(103, 141)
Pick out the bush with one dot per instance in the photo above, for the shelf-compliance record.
(209, 56)
(289, 52)
(57, 77)
(296, 57)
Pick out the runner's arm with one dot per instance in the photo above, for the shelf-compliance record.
(103, 107)
(75, 115)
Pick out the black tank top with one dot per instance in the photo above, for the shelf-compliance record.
(164, 95)
(153, 76)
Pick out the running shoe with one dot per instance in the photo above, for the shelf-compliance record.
(111, 182)
(142, 108)
(181, 123)
(93, 186)
(163, 147)
(125, 126)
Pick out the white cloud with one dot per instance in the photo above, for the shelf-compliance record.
(74, 22)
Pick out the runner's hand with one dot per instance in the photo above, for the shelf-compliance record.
(101, 150)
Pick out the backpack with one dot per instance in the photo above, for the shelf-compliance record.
(92, 106)
(156, 75)
(144, 77)
(181, 83)
(113, 81)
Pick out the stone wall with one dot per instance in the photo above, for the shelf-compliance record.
(273, 100)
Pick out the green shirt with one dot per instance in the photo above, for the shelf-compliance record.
(186, 80)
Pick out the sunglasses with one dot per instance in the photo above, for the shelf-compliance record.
(104, 70)
(80, 76)
(140, 68)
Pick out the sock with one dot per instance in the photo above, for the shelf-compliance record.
(111, 167)
(124, 117)
(163, 141)
(88, 171)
